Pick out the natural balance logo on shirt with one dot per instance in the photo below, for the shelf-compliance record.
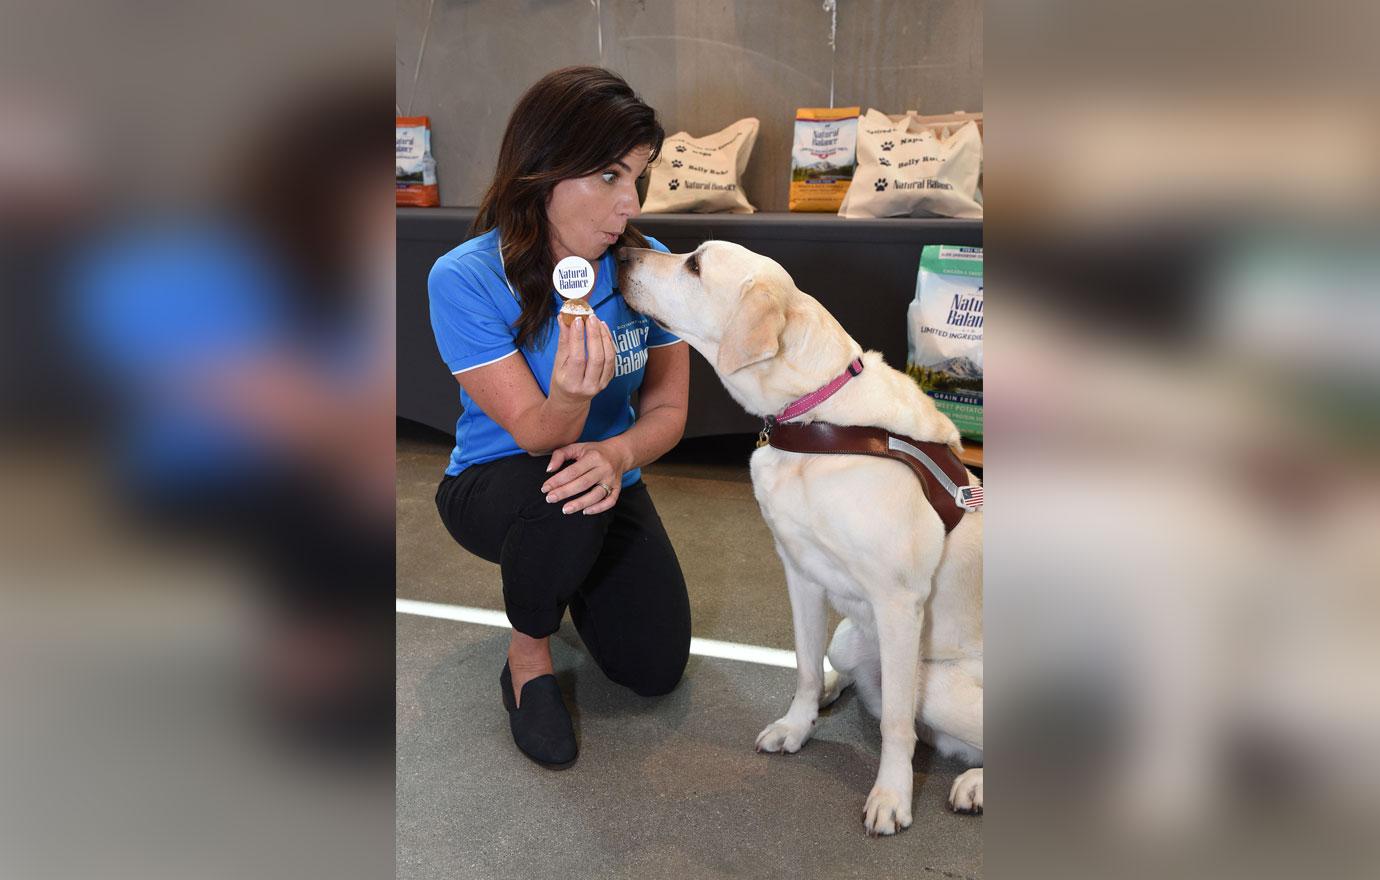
(631, 351)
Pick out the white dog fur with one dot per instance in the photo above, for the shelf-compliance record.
(854, 530)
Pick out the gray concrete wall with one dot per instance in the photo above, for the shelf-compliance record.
(701, 63)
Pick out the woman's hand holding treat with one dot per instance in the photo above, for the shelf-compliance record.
(584, 361)
(592, 477)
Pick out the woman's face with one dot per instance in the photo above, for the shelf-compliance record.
(587, 214)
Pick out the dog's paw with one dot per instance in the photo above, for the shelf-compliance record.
(782, 736)
(966, 794)
(886, 812)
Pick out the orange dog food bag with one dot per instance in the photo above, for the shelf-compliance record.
(416, 169)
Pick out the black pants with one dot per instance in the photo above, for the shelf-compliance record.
(616, 571)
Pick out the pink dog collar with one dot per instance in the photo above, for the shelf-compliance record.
(815, 398)
(810, 401)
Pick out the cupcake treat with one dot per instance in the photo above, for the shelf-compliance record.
(574, 280)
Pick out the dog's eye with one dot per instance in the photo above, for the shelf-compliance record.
(693, 264)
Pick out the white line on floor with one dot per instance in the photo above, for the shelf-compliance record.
(454, 612)
(701, 647)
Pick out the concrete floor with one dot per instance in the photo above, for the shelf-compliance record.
(667, 787)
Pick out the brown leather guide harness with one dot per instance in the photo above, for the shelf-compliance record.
(820, 438)
(942, 476)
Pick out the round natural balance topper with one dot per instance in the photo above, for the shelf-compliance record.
(573, 280)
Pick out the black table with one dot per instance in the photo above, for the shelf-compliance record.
(863, 271)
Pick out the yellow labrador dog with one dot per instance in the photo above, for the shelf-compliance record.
(851, 529)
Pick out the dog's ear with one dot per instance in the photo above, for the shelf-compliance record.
(754, 332)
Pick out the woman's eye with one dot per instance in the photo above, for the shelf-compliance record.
(609, 176)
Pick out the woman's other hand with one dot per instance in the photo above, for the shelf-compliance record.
(591, 478)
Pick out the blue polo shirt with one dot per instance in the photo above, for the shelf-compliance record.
(474, 315)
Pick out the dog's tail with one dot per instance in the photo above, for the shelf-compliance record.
(835, 683)
(843, 657)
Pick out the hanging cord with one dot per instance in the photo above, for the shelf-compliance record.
(421, 53)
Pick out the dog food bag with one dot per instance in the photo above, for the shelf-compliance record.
(822, 157)
(909, 168)
(944, 332)
(416, 169)
(702, 175)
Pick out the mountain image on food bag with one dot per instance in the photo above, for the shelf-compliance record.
(823, 156)
(944, 332)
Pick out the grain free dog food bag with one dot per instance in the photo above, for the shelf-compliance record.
(910, 168)
(416, 169)
(944, 332)
(702, 175)
(823, 156)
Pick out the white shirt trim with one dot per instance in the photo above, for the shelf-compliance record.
(485, 364)
(664, 344)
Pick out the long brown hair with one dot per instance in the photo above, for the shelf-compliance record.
(573, 122)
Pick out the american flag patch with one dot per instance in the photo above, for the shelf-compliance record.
(969, 497)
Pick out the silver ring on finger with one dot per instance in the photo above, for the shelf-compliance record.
(608, 490)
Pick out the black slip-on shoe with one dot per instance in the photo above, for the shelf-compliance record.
(541, 726)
